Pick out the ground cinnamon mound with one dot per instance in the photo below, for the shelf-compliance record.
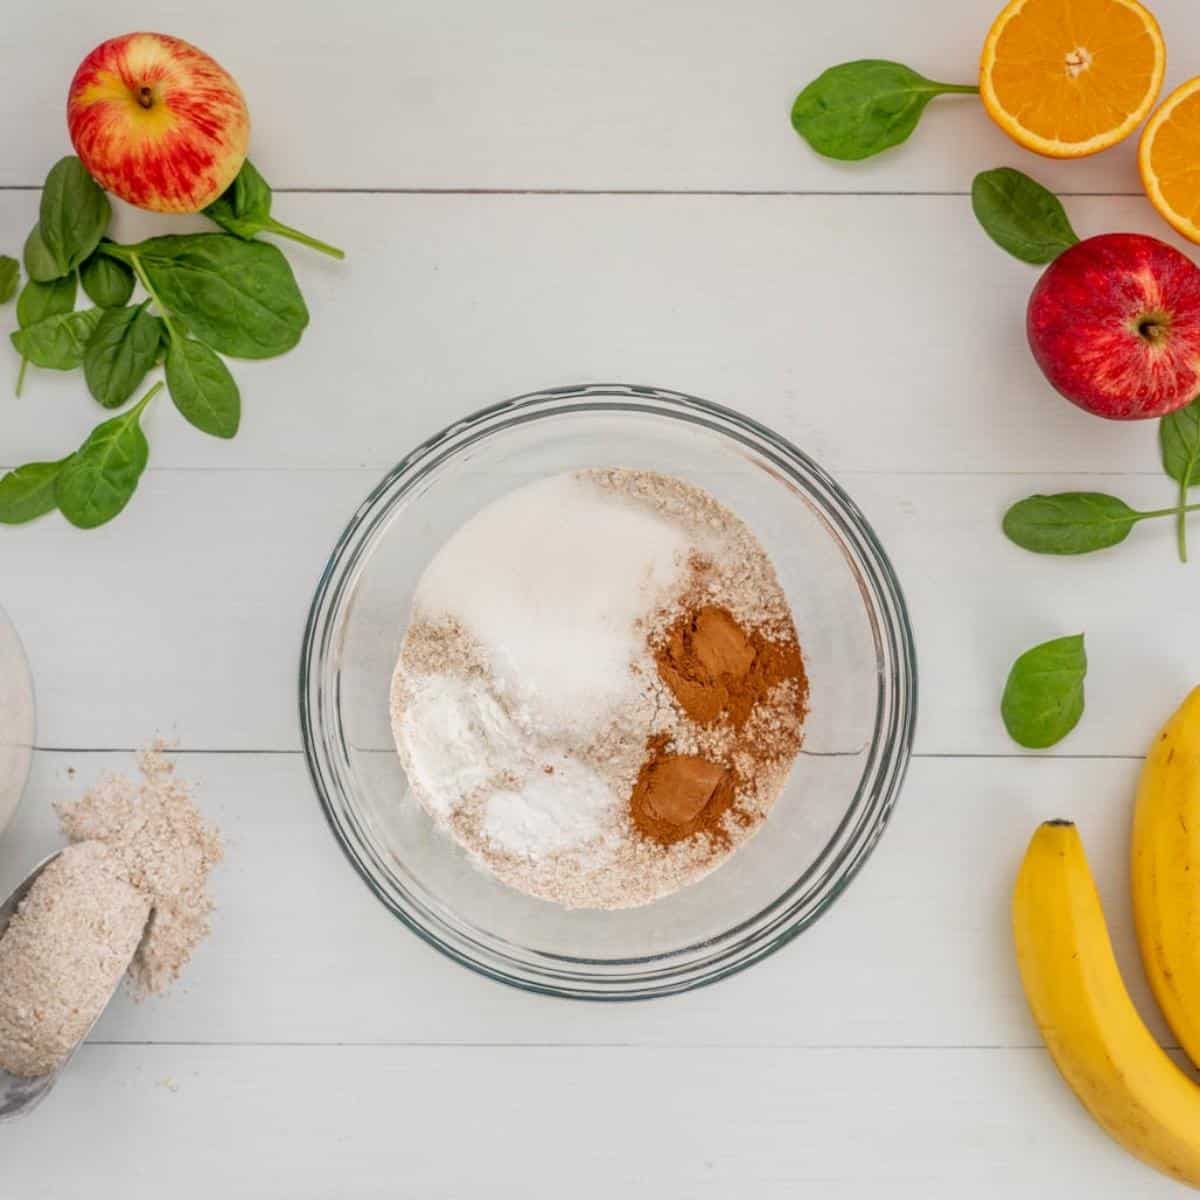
(678, 795)
(721, 676)
(715, 670)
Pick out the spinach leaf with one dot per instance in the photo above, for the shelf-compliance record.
(120, 352)
(1071, 522)
(1179, 441)
(38, 301)
(202, 388)
(108, 282)
(100, 477)
(244, 209)
(74, 214)
(857, 109)
(57, 342)
(39, 262)
(28, 492)
(1021, 216)
(239, 297)
(1043, 698)
(10, 276)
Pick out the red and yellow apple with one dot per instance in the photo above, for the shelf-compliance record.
(1114, 323)
(157, 122)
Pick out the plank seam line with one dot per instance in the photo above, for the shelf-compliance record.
(813, 1047)
(716, 192)
(297, 752)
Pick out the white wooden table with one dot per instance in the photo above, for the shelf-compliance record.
(537, 193)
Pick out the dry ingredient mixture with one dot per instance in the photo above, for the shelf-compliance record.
(129, 895)
(600, 692)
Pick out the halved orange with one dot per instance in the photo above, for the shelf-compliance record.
(1067, 78)
(1169, 159)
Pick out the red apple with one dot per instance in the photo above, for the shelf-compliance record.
(1114, 323)
(157, 122)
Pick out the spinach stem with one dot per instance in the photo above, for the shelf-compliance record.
(139, 408)
(163, 311)
(21, 374)
(1167, 512)
(304, 239)
(962, 89)
(1181, 529)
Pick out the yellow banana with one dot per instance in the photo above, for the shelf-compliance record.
(1166, 872)
(1084, 1014)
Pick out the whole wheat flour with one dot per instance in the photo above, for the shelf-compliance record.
(64, 951)
(129, 895)
(168, 850)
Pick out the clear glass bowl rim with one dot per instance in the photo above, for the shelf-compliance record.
(860, 828)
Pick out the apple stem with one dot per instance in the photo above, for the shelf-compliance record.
(1152, 329)
(145, 96)
(21, 374)
(304, 239)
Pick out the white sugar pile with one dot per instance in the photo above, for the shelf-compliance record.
(560, 638)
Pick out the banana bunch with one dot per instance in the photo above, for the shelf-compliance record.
(1071, 979)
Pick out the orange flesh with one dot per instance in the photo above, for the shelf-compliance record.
(1176, 158)
(1073, 70)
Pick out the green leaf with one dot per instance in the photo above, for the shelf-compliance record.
(1043, 698)
(99, 479)
(10, 276)
(1070, 522)
(120, 352)
(239, 297)
(1179, 441)
(39, 262)
(244, 209)
(57, 342)
(41, 300)
(108, 282)
(74, 213)
(202, 388)
(28, 492)
(1021, 216)
(857, 109)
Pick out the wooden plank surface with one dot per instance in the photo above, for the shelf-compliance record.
(878, 333)
(199, 593)
(679, 95)
(441, 1123)
(916, 953)
(316, 1048)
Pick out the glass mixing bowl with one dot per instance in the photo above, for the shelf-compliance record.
(16, 720)
(852, 625)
